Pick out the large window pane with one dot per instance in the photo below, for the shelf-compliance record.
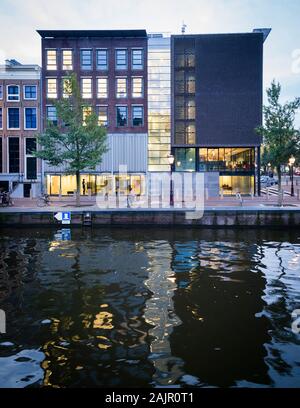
(137, 59)
(121, 91)
(14, 155)
(67, 56)
(102, 59)
(185, 159)
(86, 59)
(121, 59)
(51, 88)
(13, 93)
(51, 58)
(121, 115)
(102, 112)
(86, 88)
(137, 115)
(30, 118)
(102, 88)
(13, 118)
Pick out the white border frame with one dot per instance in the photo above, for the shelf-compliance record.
(24, 117)
(7, 120)
(7, 94)
(24, 93)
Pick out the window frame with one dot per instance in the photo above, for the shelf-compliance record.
(126, 87)
(101, 67)
(7, 93)
(47, 117)
(24, 92)
(84, 68)
(47, 93)
(62, 59)
(1, 92)
(97, 87)
(140, 66)
(143, 115)
(7, 118)
(36, 118)
(97, 111)
(142, 86)
(81, 87)
(121, 106)
(48, 67)
(8, 156)
(1, 122)
(125, 67)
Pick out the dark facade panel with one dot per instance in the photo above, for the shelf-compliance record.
(228, 80)
(92, 33)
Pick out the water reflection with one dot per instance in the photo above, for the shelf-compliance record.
(161, 307)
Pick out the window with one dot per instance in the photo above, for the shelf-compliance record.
(102, 59)
(51, 56)
(102, 115)
(121, 59)
(1, 91)
(1, 119)
(51, 88)
(30, 118)
(13, 93)
(13, 155)
(30, 146)
(30, 92)
(86, 88)
(51, 114)
(102, 91)
(86, 59)
(121, 115)
(121, 91)
(66, 88)
(86, 111)
(137, 59)
(13, 118)
(137, 115)
(185, 159)
(67, 60)
(137, 87)
(1, 164)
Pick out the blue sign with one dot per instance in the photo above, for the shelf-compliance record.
(66, 216)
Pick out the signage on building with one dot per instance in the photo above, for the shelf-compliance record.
(64, 217)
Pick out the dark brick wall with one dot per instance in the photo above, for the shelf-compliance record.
(110, 43)
(228, 88)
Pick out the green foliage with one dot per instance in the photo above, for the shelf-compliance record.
(76, 145)
(280, 138)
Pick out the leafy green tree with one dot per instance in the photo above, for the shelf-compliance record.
(280, 138)
(76, 141)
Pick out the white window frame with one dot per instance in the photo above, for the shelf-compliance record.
(2, 110)
(97, 79)
(80, 60)
(24, 94)
(7, 94)
(30, 107)
(132, 88)
(143, 52)
(1, 93)
(56, 58)
(126, 81)
(99, 67)
(62, 59)
(7, 118)
(116, 59)
(28, 156)
(143, 117)
(52, 106)
(127, 112)
(102, 106)
(81, 87)
(49, 97)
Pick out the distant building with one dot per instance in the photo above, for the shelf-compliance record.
(216, 106)
(20, 172)
(111, 66)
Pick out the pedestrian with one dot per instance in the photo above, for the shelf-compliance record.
(83, 186)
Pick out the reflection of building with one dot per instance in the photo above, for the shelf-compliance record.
(19, 124)
(216, 106)
(111, 67)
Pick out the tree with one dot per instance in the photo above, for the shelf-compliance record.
(76, 141)
(280, 138)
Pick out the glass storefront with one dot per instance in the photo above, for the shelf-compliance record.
(230, 185)
(226, 159)
(185, 159)
(91, 184)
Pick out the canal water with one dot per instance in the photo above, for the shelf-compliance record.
(132, 307)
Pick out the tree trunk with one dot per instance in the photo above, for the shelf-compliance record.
(77, 188)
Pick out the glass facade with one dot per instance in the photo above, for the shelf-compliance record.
(230, 185)
(159, 102)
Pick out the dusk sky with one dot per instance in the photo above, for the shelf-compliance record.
(19, 19)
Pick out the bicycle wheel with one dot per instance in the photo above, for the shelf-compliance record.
(41, 202)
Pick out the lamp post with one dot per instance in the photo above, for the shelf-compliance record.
(171, 159)
(269, 168)
(291, 163)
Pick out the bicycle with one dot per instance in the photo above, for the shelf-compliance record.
(43, 200)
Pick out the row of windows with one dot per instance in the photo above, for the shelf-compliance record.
(137, 115)
(121, 87)
(13, 92)
(13, 118)
(101, 57)
(13, 150)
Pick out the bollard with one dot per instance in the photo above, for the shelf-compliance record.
(267, 193)
(298, 194)
(222, 193)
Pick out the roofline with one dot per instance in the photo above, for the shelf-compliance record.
(141, 33)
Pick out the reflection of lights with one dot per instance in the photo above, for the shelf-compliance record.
(103, 321)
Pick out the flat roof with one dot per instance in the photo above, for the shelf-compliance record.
(91, 33)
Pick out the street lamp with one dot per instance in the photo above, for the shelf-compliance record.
(291, 163)
(171, 159)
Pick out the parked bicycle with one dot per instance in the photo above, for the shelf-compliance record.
(43, 200)
(5, 199)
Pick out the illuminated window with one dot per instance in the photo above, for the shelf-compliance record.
(86, 88)
(86, 59)
(86, 111)
(121, 59)
(102, 87)
(66, 88)
(121, 91)
(51, 58)
(67, 58)
(137, 87)
(102, 115)
(51, 88)
(137, 59)
(102, 59)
